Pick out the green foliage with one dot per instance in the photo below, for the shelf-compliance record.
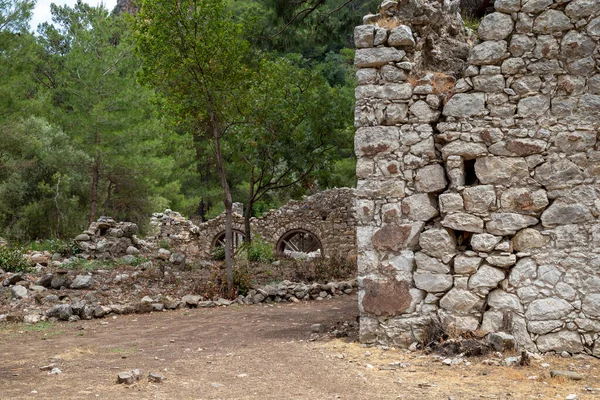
(218, 253)
(63, 247)
(242, 279)
(471, 22)
(12, 260)
(259, 250)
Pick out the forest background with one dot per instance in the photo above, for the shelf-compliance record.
(90, 123)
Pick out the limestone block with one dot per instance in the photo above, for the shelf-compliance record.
(499, 300)
(489, 52)
(527, 85)
(582, 66)
(582, 8)
(549, 274)
(501, 170)
(420, 207)
(509, 223)
(589, 104)
(489, 83)
(486, 278)
(463, 222)
(366, 75)
(479, 199)
(495, 26)
(578, 141)
(465, 105)
(591, 305)
(467, 150)
(484, 242)
(438, 243)
(450, 202)
(430, 264)
(543, 327)
(457, 322)
(393, 74)
(593, 28)
(550, 308)
(524, 23)
(376, 57)
(381, 35)
(568, 341)
(533, 106)
(430, 179)
(364, 36)
(396, 113)
(376, 140)
(384, 297)
(512, 66)
(562, 213)
(546, 46)
(390, 91)
(432, 283)
(460, 301)
(535, 6)
(523, 199)
(466, 265)
(393, 188)
(492, 321)
(545, 67)
(423, 112)
(396, 237)
(502, 261)
(556, 174)
(521, 44)
(577, 45)
(529, 239)
(551, 21)
(508, 6)
(401, 36)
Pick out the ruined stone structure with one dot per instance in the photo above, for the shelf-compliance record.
(478, 200)
(327, 216)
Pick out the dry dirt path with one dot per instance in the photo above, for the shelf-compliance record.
(250, 352)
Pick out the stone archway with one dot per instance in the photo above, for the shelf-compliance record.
(219, 240)
(300, 243)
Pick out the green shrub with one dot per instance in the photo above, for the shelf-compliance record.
(63, 247)
(12, 260)
(242, 279)
(471, 22)
(218, 253)
(259, 250)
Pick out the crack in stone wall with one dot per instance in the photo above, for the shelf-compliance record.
(478, 196)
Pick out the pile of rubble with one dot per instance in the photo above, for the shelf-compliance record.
(107, 239)
(70, 296)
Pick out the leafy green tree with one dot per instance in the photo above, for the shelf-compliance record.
(88, 67)
(41, 184)
(294, 129)
(195, 55)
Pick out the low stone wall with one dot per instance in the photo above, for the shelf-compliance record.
(478, 193)
(329, 215)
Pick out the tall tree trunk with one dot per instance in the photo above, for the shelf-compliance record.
(227, 201)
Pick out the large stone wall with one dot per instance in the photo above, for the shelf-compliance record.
(328, 215)
(478, 200)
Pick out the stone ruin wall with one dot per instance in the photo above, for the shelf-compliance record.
(329, 215)
(478, 207)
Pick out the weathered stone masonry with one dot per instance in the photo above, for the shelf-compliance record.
(328, 215)
(478, 206)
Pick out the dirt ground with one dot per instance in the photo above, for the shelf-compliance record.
(254, 352)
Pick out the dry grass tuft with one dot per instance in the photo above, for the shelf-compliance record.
(388, 23)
